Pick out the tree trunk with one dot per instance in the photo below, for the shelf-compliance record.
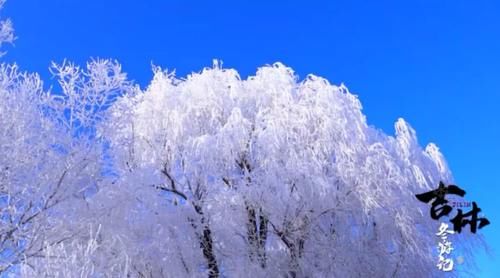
(206, 244)
(208, 253)
(257, 234)
(263, 228)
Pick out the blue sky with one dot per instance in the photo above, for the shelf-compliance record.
(436, 63)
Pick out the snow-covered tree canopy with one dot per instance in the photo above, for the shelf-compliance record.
(208, 176)
(268, 175)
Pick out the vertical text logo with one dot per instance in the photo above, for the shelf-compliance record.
(441, 207)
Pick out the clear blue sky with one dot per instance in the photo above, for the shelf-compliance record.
(436, 63)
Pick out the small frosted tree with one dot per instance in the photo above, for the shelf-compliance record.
(50, 165)
(6, 30)
(51, 158)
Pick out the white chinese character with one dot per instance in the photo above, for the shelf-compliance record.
(443, 231)
(445, 264)
(444, 247)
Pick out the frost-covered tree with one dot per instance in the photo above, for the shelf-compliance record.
(51, 164)
(208, 176)
(51, 158)
(266, 176)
